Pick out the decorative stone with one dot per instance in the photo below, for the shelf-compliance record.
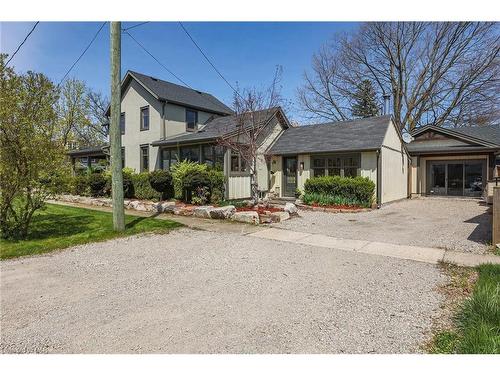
(266, 219)
(250, 217)
(168, 207)
(222, 212)
(279, 216)
(291, 208)
(202, 211)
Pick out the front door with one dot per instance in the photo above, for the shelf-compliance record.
(289, 176)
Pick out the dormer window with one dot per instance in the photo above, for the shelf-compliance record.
(191, 120)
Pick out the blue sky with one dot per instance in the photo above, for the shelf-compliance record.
(246, 53)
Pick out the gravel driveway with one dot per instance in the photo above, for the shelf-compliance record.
(204, 292)
(454, 224)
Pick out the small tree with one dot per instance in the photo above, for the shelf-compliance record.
(252, 109)
(365, 100)
(32, 160)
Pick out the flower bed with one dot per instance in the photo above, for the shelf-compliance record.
(333, 208)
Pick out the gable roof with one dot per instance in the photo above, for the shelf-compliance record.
(355, 135)
(222, 126)
(177, 94)
(473, 138)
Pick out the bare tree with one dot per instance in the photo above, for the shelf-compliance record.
(79, 116)
(437, 73)
(98, 105)
(253, 108)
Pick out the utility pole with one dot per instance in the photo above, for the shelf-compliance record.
(115, 137)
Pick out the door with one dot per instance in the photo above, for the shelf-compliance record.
(289, 176)
(437, 180)
(455, 179)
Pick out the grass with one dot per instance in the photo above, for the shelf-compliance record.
(477, 322)
(58, 227)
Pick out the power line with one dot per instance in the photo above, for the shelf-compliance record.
(25, 39)
(208, 60)
(158, 61)
(134, 26)
(83, 53)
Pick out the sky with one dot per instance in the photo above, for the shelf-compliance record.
(245, 52)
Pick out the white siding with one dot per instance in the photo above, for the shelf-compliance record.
(306, 173)
(394, 164)
(369, 168)
(238, 187)
(276, 176)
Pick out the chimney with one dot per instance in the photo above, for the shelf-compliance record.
(387, 104)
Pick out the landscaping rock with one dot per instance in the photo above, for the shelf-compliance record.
(222, 212)
(266, 219)
(279, 216)
(291, 208)
(168, 207)
(203, 211)
(250, 217)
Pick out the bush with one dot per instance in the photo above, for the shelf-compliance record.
(142, 187)
(196, 187)
(161, 181)
(79, 185)
(180, 170)
(97, 184)
(217, 183)
(357, 190)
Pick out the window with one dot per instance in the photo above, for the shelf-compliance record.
(207, 154)
(169, 158)
(191, 153)
(122, 122)
(219, 157)
(144, 158)
(336, 165)
(145, 118)
(238, 164)
(191, 120)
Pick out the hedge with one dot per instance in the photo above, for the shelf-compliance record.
(143, 188)
(356, 191)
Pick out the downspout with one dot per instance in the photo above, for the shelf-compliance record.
(379, 179)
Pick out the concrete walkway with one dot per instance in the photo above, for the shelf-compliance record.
(417, 253)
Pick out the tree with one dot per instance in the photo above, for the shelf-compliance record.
(32, 160)
(442, 73)
(79, 115)
(365, 100)
(252, 108)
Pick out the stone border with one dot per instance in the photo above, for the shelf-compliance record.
(182, 209)
(331, 210)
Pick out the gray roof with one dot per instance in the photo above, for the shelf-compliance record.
(94, 150)
(464, 139)
(181, 95)
(486, 133)
(217, 127)
(355, 135)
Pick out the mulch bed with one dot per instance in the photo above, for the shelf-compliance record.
(333, 208)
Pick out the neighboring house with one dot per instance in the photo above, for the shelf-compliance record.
(163, 123)
(370, 147)
(91, 157)
(454, 161)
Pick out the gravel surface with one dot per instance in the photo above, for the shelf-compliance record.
(204, 292)
(453, 224)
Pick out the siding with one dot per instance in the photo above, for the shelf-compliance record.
(394, 162)
(239, 187)
(369, 168)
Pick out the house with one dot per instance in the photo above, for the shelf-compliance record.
(370, 147)
(454, 161)
(163, 123)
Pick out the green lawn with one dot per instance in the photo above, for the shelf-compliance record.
(478, 319)
(57, 227)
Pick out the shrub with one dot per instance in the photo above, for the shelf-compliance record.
(196, 184)
(79, 185)
(142, 187)
(161, 181)
(97, 184)
(179, 171)
(358, 190)
(217, 183)
(128, 186)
